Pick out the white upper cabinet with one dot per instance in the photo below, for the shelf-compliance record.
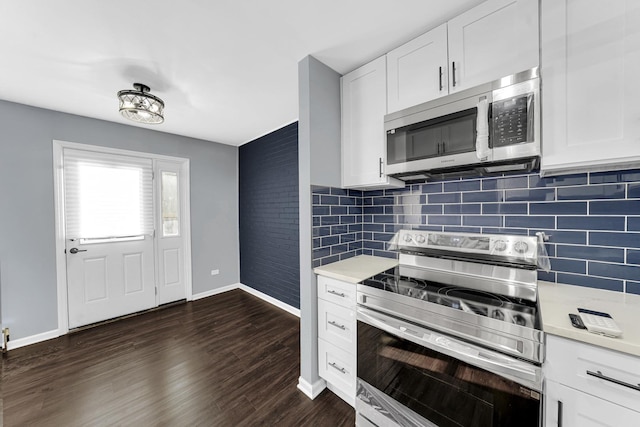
(364, 104)
(417, 71)
(590, 85)
(495, 39)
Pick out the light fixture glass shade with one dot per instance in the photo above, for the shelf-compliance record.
(140, 106)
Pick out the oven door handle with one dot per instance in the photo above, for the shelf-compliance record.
(517, 370)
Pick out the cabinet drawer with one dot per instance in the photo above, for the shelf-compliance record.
(337, 367)
(336, 291)
(337, 325)
(603, 373)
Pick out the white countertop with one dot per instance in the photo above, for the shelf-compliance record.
(356, 269)
(557, 300)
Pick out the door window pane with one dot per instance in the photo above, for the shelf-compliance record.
(107, 196)
(170, 204)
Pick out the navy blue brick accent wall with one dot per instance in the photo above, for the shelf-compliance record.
(269, 225)
(593, 220)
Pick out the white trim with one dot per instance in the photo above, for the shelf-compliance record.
(284, 306)
(271, 300)
(61, 264)
(186, 222)
(311, 390)
(33, 339)
(216, 291)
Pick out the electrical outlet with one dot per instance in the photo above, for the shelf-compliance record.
(215, 272)
(5, 339)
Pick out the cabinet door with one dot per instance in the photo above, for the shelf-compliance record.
(590, 68)
(495, 39)
(567, 407)
(417, 70)
(364, 104)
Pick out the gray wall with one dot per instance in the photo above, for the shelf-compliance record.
(27, 245)
(319, 164)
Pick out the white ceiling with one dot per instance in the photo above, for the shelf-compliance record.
(226, 69)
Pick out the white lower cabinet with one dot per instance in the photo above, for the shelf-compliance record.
(590, 386)
(568, 407)
(337, 336)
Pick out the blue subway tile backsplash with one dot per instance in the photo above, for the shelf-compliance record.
(593, 220)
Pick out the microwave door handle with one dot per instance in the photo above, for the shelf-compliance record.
(482, 129)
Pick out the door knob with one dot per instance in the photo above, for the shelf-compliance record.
(76, 250)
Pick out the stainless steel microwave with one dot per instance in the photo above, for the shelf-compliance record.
(490, 129)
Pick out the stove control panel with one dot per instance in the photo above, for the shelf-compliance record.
(507, 246)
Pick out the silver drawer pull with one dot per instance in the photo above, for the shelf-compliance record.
(337, 325)
(334, 366)
(600, 375)
(340, 294)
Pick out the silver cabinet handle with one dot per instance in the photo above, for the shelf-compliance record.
(599, 374)
(380, 167)
(453, 72)
(338, 368)
(440, 77)
(337, 325)
(559, 413)
(340, 294)
(76, 250)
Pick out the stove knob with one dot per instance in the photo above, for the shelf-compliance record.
(521, 247)
(407, 238)
(500, 246)
(519, 320)
(420, 238)
(497, 314)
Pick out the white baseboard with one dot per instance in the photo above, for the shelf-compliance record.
(270, 299)
(311, 390)
(21, 342)
(213, 292)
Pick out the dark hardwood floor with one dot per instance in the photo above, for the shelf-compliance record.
(228, 360)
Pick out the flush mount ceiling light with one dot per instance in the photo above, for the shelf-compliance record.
(140, 106)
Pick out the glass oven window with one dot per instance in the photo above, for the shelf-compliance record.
(442, 389)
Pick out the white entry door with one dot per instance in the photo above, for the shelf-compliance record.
(170, 185)
(109, 220)
(109, 279)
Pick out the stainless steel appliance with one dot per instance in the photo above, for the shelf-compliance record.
(489, 129)
(452, 336)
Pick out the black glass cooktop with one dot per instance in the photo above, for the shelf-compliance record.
(513, 310)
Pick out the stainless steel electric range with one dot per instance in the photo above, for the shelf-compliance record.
(452, 336)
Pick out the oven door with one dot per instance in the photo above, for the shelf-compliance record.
(411, 376)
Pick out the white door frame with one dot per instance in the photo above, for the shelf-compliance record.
(61, 264)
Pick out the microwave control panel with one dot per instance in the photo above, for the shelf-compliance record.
(510, 119)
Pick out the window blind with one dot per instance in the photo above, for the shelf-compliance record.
(107, 195)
